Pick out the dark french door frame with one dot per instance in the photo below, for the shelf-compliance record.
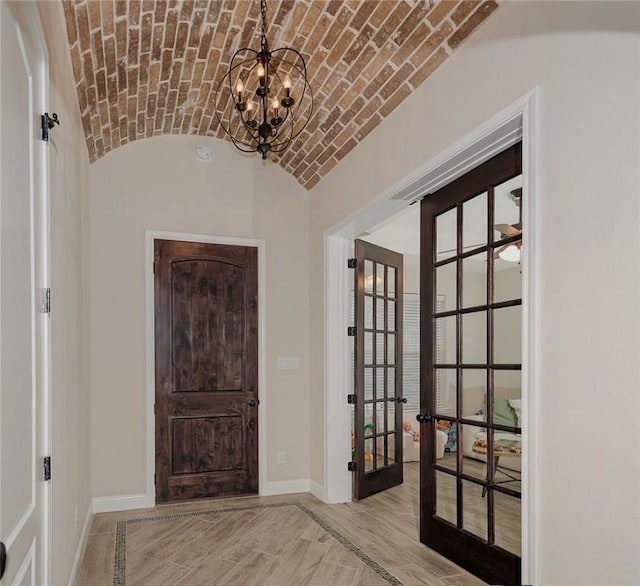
(456, 544)
(151, 236)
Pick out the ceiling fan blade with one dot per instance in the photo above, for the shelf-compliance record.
(496, 254)
(507, 230)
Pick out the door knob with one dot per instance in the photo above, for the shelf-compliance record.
(253, 402)
(423, 417)
(401, 400)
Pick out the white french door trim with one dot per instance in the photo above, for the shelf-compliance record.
(150, 236)
(514, 123)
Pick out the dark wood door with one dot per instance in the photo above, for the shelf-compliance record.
(470, 339)
(206, 366)
(378, 369)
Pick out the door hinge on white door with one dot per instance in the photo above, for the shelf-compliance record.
(46, 468)
(44, 300)
(47, 123)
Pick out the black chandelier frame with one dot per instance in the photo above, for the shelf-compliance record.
(272, 126)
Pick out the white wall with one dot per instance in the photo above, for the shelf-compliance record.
(71, 439)
(584, 58)
(158, 184)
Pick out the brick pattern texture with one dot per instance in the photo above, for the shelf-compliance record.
(149, 67)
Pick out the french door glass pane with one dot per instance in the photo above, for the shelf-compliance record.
(507, 522)
(445, 385)
(391, 282)
(474, 280)
(445, 445)
(474, 509)
(380, 349)
(380, 314)
(368, 348)
(368, 312)
(507, 281)
(474, 393)
(474, 222)
(474, 338)
(506, 208)
(446, 287)
(391, 316)
(445, 340)
(391, 382)
(474, 441)
(446, 235)
(368, 277)
(391, 416)
(379, 382)
(369, 454)
(446, 497)
(507, 335)
(391, 348)
(368, 383)
(379, 281)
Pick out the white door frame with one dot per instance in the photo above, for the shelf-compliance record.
(514, 123)
(150, 236)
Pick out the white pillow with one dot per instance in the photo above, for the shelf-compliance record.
(516, 405)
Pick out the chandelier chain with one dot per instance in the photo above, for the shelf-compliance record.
(263, 35)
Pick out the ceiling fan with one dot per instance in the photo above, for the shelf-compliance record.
(511, 252)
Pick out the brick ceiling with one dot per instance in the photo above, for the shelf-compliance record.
(149, 67)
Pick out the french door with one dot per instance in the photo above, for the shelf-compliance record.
(471, 237)
(378, 369)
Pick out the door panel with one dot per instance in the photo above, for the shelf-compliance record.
(378, 369)
(471, 339)
(23, 271)
(206, 370)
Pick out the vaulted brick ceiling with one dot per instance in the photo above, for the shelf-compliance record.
(149, 67)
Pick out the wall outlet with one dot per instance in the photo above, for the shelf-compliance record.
(75, 516)
(282, 457)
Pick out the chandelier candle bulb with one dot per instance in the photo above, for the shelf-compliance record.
(240, 90)
(261, 73)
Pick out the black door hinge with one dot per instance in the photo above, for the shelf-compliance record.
(352, 466)
(351, 331)
(351, 399)
(46, 468)
(47, 123)
(352, 263)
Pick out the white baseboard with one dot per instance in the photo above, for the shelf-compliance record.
(82, 545)
(276, 487)
(125, 502)
(317, 490)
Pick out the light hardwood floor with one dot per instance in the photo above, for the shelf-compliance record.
(275, 541)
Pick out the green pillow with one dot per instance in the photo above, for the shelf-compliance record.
(503, 413)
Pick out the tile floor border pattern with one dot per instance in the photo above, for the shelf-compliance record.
(120, 561)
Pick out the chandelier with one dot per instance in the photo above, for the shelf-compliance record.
(264, 101)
